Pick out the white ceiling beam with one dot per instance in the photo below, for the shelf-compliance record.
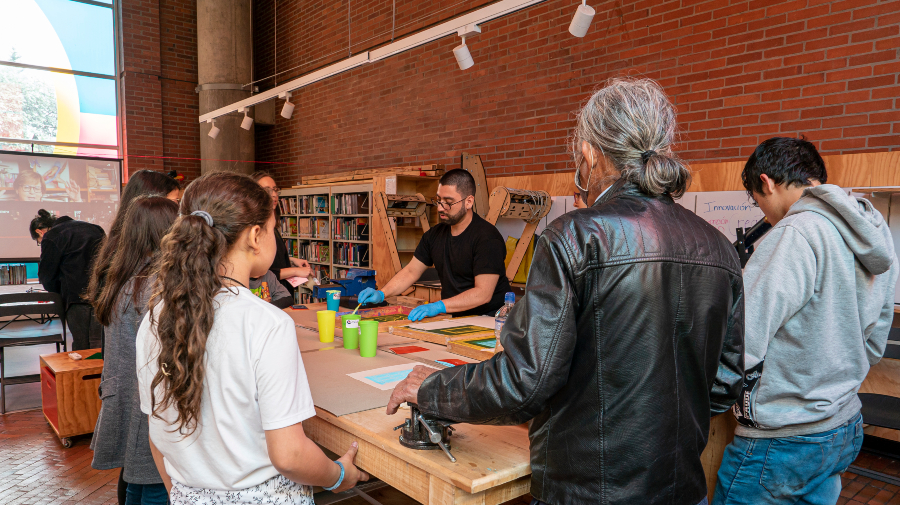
(450, 27)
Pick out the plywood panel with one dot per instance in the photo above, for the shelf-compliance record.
(556, 183)
(721, 433)
(381, 256)
(886, 170)
(850, 170)
(845, 170)
(717, 176)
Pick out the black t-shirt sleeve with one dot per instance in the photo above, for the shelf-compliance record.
(423, 250)
(489, 254)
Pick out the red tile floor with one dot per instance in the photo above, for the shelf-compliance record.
(36, 470)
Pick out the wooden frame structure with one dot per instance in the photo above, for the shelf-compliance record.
(529, 206)
(384, 211)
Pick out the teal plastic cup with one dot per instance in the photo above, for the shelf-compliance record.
(333, 299)
(350, 330)
(368, 338)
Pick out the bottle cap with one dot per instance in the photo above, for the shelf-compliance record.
(510, 297)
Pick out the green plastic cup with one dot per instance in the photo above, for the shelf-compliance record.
(350, 329)
(368, 338)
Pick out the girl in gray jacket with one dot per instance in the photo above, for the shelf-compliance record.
(121, 436)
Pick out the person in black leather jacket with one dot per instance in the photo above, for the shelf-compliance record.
(630, 334)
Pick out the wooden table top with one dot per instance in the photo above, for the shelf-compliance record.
(486, 456)
(61, 362)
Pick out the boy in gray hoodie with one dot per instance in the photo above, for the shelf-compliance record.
(819, 304)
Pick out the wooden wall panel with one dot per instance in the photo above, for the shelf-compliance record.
(847, 170)
(717, 176)
(886, 171)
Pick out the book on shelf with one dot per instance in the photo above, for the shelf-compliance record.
(353, 228)
(312, 204)
(314, 251)
(322, 228)
(350, 203)
(354, 255)
(288, 205)
(288, 225)
(12, 273)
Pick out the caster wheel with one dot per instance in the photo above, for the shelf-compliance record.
(66, 442)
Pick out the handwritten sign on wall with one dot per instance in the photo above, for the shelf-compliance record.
(726, 210)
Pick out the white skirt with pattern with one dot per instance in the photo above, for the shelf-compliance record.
(278, 490)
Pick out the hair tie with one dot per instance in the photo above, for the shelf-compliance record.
(646, 155)
(205, 215)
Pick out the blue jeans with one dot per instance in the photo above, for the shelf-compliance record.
(146, 494)
(803, 470)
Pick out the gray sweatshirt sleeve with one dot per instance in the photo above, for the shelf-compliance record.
(779, 280)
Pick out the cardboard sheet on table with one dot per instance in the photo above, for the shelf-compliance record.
(384, 378)
(333, 390)
(485, 321)
(433, 352)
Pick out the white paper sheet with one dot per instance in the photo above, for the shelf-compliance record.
(385, 378)
(485, 321)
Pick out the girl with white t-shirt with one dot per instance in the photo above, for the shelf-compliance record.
(219, 370)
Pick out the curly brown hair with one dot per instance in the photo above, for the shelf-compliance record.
(188, 279)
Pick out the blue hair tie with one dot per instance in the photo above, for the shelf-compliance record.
(205, 215)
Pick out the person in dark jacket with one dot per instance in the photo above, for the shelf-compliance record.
(68, 248)
(284, 266)
(121, 436)
(630, 334)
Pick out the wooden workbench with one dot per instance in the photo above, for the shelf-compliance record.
(492, 461)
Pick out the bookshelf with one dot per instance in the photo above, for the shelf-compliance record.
(329, 226)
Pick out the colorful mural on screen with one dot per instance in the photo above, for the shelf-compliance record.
(37, 104)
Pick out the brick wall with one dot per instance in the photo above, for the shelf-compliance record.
(160, 105)
(738, 72)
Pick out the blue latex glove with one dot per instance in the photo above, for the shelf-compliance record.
(370, 295)
(429, 310)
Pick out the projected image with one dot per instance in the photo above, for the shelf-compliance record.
(87, 190)
(51, 106)
(38, 179)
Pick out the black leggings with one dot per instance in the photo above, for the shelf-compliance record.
(123, 486)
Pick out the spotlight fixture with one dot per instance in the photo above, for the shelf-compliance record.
(248, 121)
(582, 19)
(288, 108)
(463, 56)
(213, 130)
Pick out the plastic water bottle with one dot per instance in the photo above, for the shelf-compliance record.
(500, 318)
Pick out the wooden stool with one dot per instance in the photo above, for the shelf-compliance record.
(69, 396)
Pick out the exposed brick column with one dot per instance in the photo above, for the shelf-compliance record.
(158, 80)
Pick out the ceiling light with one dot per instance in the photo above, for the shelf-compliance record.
(582, 20)
(463, 56)
(248, 121)
(213, 130)
(288, 108)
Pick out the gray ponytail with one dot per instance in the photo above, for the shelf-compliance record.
(632, 122)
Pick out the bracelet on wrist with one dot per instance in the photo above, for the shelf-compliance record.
(340, 479)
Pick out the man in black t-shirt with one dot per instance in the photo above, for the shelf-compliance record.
(467, 252)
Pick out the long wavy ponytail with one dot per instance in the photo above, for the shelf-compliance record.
(188, 280)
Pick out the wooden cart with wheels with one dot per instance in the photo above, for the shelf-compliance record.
(69, 393)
